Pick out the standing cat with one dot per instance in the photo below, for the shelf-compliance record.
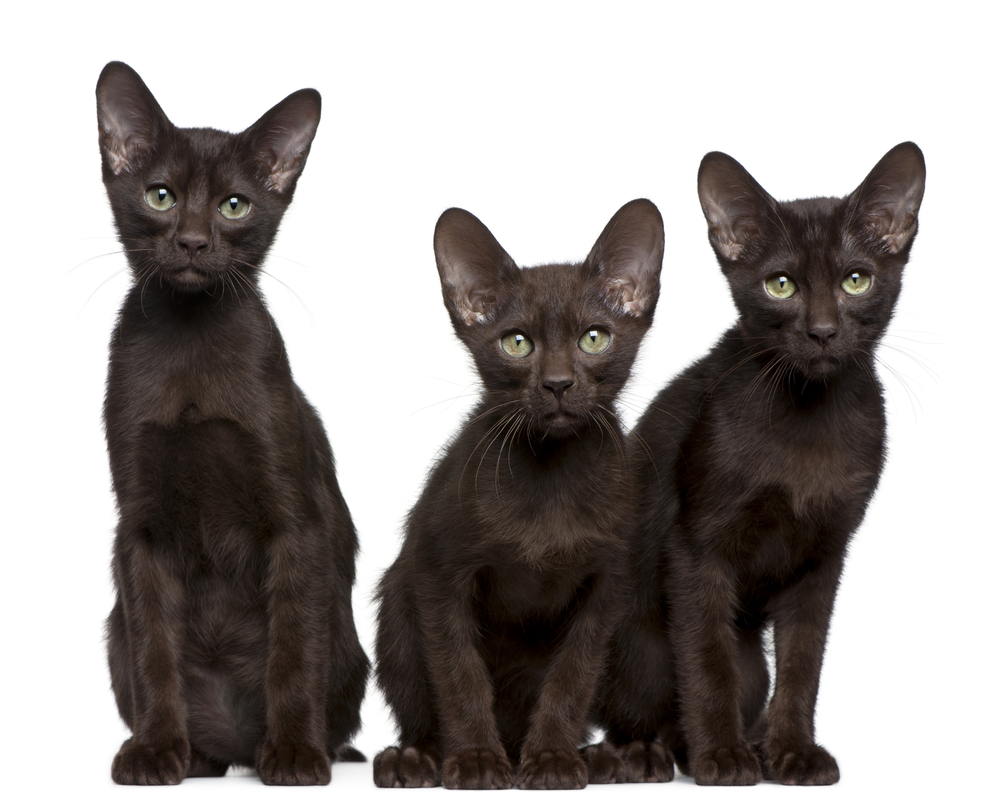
(755, 467)
(493, 620)
(232, 639)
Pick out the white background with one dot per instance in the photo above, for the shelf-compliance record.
(542, 120)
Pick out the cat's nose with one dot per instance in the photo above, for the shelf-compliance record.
(557, 387)
(192, 243)
(823, 334)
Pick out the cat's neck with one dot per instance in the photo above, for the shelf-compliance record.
(226, 302)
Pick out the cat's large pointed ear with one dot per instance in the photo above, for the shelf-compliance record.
(735, 205)
(472, 265)
(629, 255)
(129, 119)
(889, 198)
(282, 137)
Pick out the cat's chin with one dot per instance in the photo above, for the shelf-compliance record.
(560, 424)
(189, 279)
(821, 369)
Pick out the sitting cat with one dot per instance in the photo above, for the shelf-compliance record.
(232, 639)
(755, 467)
(493, 620)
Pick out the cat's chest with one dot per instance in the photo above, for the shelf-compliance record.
(187, 379)
(558, 514)
(819, 459)
(194, 384)
(516, 591)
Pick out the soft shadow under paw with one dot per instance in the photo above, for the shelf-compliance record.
(292, 764)
(552, 770)
(406, 767)
(477, 770)
(729, 765)
(648, 762)
(805, 765)
(137, 763)
(604, 765)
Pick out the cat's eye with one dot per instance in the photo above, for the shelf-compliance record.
(856, 283)
(234, 207)
(781, 286)
(160, 198)
(517, 344)
(595, 340)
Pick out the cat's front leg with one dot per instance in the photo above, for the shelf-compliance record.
(703, 608)
(145, 634)
(801, 621)
(293, 751)
(475, 758)
(550, 758)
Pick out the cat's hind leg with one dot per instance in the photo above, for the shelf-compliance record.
(402, 675)
(634, 700)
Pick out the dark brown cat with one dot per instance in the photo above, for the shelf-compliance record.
(232, 639)
(755, 467)
(493, 620)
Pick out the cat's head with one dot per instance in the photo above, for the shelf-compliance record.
(815, 281)
(195, 207)
(554, 343)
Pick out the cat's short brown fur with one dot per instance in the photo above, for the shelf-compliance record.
(493, 620)
(232, 639)
(755, 467)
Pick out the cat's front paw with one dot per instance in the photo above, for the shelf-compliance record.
(292, 764)
(604, 765)
(477, 770)
(552, 770)
(727, 765)
(139, 763)
(408, 766)
(802, 764)
(647, 762)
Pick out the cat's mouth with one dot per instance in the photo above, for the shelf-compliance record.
(561, 422)
(824, 366)
(190, 278)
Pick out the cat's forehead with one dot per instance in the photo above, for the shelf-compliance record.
(202, 155)
(812, 220)
(812, 225)
(558, 297)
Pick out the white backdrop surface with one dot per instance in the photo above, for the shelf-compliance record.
(542, 119)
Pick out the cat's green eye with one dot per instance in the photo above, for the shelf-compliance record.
(160, 198)
(595, 340)
(856, 283)
(517, 344)
(781, 286)
(234, 207)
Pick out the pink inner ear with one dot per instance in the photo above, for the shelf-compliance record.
(624, 293)
(125, 132)
(281, 173)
